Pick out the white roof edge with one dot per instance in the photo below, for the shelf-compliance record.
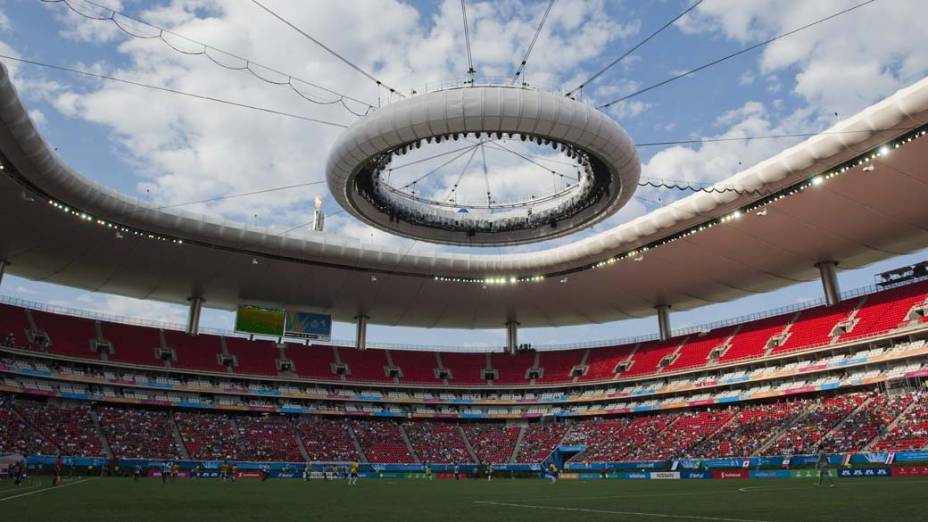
(32, 156)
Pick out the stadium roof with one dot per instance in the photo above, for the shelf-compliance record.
(813, 202)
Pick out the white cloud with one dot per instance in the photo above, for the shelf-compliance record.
(129, 307)
(38, 117)
(186, 150)
(841, 65)
(26, 290)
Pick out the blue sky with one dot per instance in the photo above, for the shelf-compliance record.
(172, 150)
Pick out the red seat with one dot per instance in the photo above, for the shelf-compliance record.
(132, 344)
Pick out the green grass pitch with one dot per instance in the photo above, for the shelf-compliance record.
(119, 499)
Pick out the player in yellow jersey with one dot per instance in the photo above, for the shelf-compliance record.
(552, 472)
(224, 471)
(353, 478)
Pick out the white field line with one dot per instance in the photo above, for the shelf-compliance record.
(609, 512)
(81, 481)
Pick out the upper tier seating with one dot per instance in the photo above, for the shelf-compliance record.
(511, 369)
(416, 366)
(492, 442)
(602, 362)
(253, 357)
(466, 368)
(328, 440)
(13, 322)
(131, 344)
(557, 365)
(647, 359)
(695, 353)
(365, 365)
(815, 326)
(313, 361)
(195, 353)
(886, 310)
(77, 337)
(70, 336)
(751, 340)
(437, 442)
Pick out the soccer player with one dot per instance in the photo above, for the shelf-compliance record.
(307, 472)
(137, 472)
(57, 479)
(552, 472)
(175, 470)
(824, 471)
(428, 472)
(490, 471)
(165, 471)
(196, 472)
(224, 471)
(353, 478)
(457, 472)
(234, 471)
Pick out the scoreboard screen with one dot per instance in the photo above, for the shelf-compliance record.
(259, 320)
(308, 325)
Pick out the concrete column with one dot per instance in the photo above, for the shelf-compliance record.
(193, 316)
(512, 337)
(360, 338)
(663, 321)
(3, 264)
(829, 281)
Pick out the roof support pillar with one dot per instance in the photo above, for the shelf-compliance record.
(193, 315)
(360, 337)
(512, 337)
(829, 275)
(663, 321)
(3, 264)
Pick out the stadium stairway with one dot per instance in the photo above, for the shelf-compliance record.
(518, 446)
(838, 426)
(470, 449)
(356, 444)
(412, 451)
(178, 438)
(891, 426)
(105, 444)
(299, 442)
(783, 431)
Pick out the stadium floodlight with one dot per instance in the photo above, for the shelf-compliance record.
(601, 173)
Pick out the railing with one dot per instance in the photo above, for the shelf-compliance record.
(101, 316)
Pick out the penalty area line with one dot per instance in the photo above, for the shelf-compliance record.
(610, 512)
(81, 481)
